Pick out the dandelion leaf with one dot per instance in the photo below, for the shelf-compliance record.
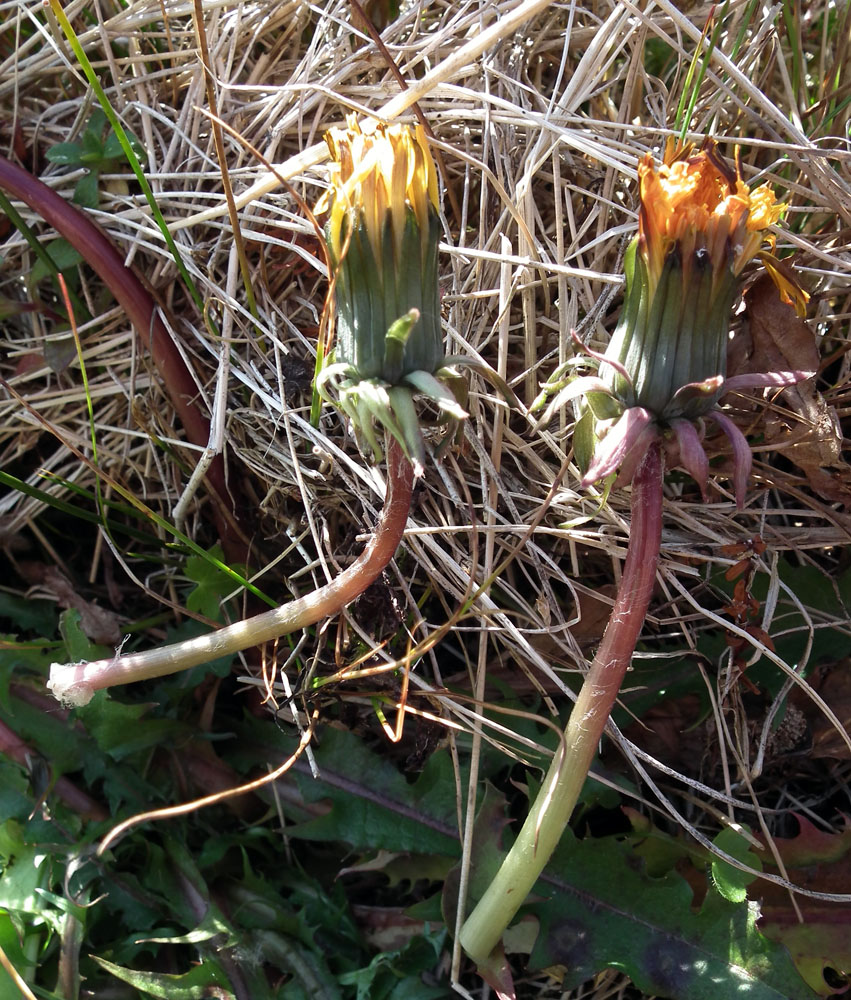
(372, 804)
(604, 911)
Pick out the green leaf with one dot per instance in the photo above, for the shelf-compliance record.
(49, 735)
(27, 614)
(584, 439)
(197, 984)
(120, 729)
(65, 153)
(113, 150)
(91, 148)
(63, 906)
(112, 147)
(212, 584)
(11, 842)
(14, 792)
(33, 656)
(488, 855)
(310, 977)
(212, 925)
(97, 123)
(77, 643)
(63, 255)
(86, 191)
(604, 911)
(13, 947)
(732, 882)
(396, 975)
(23, 876)
(374, 806)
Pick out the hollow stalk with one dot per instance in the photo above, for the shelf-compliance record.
(551, 811)
(75, 683)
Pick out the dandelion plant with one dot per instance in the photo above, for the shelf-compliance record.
(657, 384)
(383, 225)
(382, 236)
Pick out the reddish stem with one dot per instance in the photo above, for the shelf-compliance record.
(558, 795)
(75, 683)
(603, 681)
(138, 302)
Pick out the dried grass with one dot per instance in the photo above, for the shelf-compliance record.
(540, 137)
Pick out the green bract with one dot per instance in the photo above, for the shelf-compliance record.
(373, 295)
(671, 340)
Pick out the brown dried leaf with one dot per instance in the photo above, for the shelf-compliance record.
(780, 340)
(833, 683)
(803, 426)
(98, 624)
(671, 733)
(387, 928)
(594, 613)
(820, 862)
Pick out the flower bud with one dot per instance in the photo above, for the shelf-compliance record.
(699, 225)
(666, 365)
(382, 234)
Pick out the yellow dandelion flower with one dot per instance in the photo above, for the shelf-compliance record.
(699, 226)
(375, 176)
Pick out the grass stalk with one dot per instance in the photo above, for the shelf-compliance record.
(9, 210)
(551, 811)
(75, 683)
(233, 214)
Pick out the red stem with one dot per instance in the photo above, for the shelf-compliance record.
(603, 682)
(138, 302)
(557, 797)
(16, 749)
(75, 683)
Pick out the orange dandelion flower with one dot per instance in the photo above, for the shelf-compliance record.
(699, 225)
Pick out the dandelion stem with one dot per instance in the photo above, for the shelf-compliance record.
(557, 797)
(138, 302)
(75, 683)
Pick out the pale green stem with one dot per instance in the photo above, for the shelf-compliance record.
(75, 683)
(551, 811)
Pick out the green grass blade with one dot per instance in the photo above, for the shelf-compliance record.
(63, 507)
(701, 64)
